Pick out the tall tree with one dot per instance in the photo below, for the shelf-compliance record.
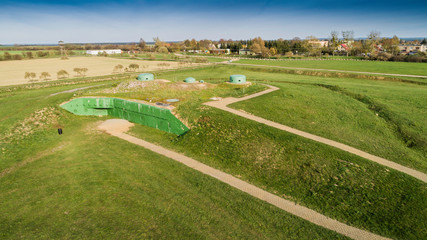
(348, 35)
(334, 38)
(141, 44)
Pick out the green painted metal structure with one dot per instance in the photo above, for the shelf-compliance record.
(190, 80)
(145, 114)
(145, 77)
(239, 79)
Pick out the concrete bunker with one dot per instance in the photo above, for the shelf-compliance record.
(134, 111)
(190, 80)
(238, 79)
(145, 77)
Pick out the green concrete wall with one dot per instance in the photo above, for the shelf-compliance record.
(190, 80)
(148, 115)
(239, 79)
(145, 77)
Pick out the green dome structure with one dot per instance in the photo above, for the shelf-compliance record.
(190, 80)
(145, 77)
(238, 79)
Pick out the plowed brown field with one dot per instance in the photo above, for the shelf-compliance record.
(13, 72)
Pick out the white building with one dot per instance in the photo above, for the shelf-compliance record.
(319, 44)
(412, 48)
(107, 51)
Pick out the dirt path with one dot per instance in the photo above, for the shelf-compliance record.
(332, 70)
(117, 127)
(222, 104)
(75, 90)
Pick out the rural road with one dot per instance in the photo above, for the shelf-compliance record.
(118, 127)
(222, 104)
(330, 70)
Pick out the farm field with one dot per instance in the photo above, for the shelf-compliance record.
(79, 52)
(362, 66)
(102, 186)
(12, 72)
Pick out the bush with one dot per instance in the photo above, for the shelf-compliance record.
(42, 54)
(384, 56)
(17, 57)
(62, 74)
(7, 56)
(163, 50)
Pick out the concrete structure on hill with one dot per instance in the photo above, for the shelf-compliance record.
(190, 80)
(238, 79)
(145, 77)
(103, 51)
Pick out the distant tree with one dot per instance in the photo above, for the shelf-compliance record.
(42, 53)
(396, 40)
(273, 51)
(17, 57)
(372, 40)
(424, 41)
(348, 35)
(118, 68)
(84, 70)
(27, 75)
(141, 44)
(163, 50)
(374, 36)
(62, 74)
(334, 39)
(187, 43)
(193, 44)
(289, 54)
(79, 71)
(175, 47)
(258, 47)
(29, 55)
(7, 56)
(44, 75)
(158, 43)
(31, 76)
(133, 67)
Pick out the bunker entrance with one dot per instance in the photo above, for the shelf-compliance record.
(137, 112)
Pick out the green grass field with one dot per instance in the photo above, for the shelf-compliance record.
(86, 184)
(362, 66)
(381, 117)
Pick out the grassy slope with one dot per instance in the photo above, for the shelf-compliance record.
(330, 181)
(303, 104)
(364, 66)
(97, 186)
(338, 184)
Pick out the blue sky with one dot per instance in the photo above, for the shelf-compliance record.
(123, 21)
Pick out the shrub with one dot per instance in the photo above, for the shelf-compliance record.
(62, 74)
(133, 67)
(17, 57)
(44, 75)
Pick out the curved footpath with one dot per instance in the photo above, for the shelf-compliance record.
(330, 70)
(117, 127)
(222, 104)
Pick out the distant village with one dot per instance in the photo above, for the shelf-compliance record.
(342, 43)
(373, 47)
